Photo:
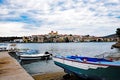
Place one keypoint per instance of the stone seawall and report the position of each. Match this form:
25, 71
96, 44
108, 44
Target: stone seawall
10, 69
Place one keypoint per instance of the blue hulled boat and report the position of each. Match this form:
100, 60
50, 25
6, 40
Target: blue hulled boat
101, 68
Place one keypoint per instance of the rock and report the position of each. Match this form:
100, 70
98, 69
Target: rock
116, 45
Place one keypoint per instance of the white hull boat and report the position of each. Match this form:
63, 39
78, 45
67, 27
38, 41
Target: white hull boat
33, 54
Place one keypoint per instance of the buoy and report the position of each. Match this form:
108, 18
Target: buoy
111, 59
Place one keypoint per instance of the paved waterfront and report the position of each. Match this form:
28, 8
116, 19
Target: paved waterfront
10, 69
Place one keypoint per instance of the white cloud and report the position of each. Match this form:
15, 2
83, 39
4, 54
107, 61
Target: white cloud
114, 1
66, 16
14, 29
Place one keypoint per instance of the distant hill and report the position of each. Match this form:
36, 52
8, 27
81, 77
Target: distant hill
110, 36
8, 39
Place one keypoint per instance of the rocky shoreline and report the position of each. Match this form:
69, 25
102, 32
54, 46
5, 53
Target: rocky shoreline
116, 45
57, 76
49, 76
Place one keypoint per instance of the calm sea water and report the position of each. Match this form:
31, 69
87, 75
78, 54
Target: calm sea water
84, 49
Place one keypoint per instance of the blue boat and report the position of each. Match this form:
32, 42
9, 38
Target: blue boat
101, 68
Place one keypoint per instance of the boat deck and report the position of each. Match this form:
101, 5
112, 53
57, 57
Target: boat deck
89, 60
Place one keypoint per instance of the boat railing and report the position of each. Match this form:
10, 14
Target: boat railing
103, 55
84, 59
109, 55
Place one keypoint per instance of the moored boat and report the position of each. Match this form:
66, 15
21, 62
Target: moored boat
3, 47
33, 54
102, 69
13, 48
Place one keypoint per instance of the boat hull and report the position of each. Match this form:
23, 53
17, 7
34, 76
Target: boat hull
103, 72
34, 58
33, 55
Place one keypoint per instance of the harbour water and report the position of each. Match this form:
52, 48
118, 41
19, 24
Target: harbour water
84, 49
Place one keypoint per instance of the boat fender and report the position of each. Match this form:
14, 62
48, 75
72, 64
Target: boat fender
111, 59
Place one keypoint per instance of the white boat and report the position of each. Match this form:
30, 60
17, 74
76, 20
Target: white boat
33, 54
12, 48
3, 47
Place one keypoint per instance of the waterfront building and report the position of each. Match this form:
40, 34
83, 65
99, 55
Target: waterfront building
26, 39
55, 37
52, 33
37, 38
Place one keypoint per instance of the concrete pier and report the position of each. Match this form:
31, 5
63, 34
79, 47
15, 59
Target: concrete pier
10, 69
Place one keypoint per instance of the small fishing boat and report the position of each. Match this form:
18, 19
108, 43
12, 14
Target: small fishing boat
33, 54
3, 47
102, 69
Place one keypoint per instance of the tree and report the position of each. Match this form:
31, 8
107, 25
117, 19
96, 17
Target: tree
118, 32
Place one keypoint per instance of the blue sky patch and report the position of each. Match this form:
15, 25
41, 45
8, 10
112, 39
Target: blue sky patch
118, 17
111, 4
24, 17
110, 14
85, 1
61, 3
1, 1
91, 9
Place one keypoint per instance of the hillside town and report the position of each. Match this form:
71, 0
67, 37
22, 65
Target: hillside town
55, 37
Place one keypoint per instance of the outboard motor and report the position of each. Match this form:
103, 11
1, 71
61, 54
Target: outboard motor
47, 52
48, 55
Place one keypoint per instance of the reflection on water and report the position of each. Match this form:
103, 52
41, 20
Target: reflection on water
85, 49
40, 66
23, 62
117, 50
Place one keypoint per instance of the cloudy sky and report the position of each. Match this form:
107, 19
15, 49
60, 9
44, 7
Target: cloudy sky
81, 17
